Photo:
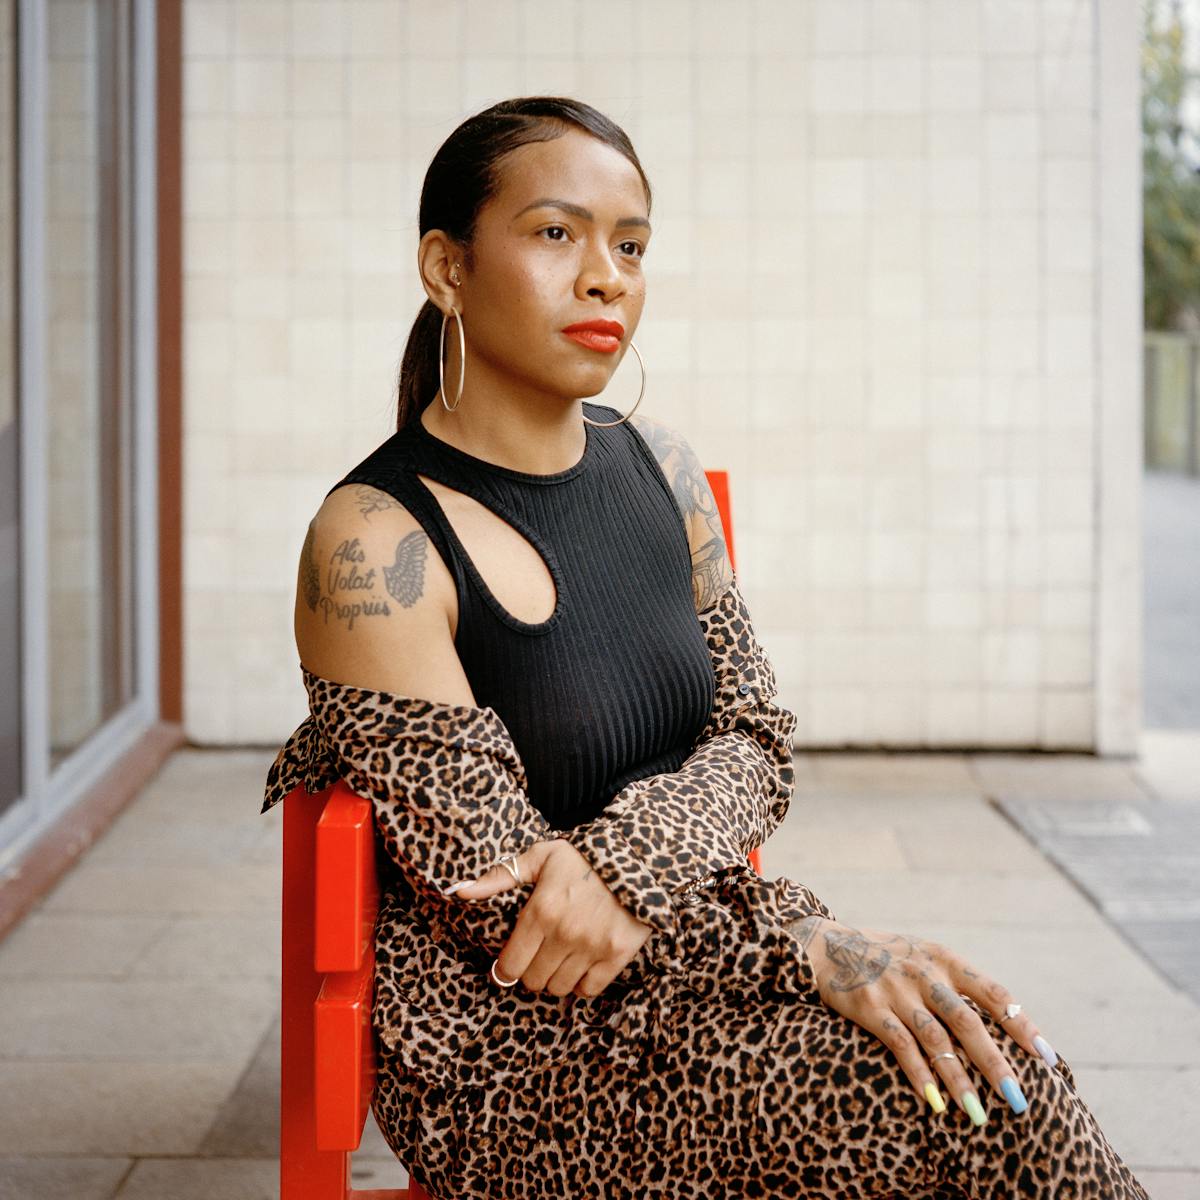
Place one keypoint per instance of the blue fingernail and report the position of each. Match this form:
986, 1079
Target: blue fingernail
1046, 1050
1013, 1094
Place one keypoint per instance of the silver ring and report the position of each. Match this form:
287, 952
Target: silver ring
501, 982
1010, 1011
948, 1054
510, 864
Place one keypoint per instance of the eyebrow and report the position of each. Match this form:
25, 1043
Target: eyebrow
578, 210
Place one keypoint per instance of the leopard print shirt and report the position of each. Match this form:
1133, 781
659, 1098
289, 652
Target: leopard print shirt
448, 790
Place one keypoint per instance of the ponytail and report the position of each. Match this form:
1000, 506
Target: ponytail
419, 366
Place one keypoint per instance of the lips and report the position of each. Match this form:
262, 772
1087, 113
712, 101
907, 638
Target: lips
604, 336
611, 328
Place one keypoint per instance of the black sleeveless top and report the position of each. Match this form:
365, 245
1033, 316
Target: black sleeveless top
618, 682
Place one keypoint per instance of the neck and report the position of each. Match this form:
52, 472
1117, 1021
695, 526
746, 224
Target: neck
537, 437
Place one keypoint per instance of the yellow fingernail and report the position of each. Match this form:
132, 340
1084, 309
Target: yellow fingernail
935, 1098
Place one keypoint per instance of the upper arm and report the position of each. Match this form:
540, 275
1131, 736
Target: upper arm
374, 600
712, 572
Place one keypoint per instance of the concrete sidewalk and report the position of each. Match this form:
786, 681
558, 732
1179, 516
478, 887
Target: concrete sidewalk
139, 1001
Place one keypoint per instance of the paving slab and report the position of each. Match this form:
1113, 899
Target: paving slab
886, 773
1139, 862
1170, 1185
202, 1179
1159, 1133
206, 947
78, 945
1058, 776
62, 1178
906, 901
135, 1020
247, 1123
159, 888
122, 1109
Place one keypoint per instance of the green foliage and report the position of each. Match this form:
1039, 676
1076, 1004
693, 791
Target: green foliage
1170, 180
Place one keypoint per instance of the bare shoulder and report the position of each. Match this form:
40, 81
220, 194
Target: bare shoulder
375, 604
712, 571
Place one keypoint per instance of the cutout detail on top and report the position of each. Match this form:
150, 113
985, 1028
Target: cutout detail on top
521, 582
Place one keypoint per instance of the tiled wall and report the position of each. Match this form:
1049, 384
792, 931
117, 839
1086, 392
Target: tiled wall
873, 296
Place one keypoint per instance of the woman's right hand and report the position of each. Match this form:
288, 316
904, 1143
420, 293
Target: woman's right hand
573, 934
910, 993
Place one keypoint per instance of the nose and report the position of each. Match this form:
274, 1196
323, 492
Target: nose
599, 274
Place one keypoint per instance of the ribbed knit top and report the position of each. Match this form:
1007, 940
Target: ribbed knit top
618, 682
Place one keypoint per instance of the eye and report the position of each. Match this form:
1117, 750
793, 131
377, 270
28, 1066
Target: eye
640, 249
551, 228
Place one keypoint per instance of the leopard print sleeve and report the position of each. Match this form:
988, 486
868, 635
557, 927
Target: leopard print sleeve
447, 787
667, 834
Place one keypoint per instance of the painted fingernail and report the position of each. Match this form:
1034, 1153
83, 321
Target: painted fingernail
935, 1098
462, 883
1046, 1050
1013, 1094
974, 1109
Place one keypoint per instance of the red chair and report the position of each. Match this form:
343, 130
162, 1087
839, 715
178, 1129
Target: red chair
327, 1052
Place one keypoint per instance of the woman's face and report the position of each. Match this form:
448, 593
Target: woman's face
539, 268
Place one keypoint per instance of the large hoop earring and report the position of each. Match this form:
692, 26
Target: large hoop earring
641, 393
462, 360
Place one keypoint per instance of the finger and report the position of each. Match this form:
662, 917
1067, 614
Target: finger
994, 998
546, 963
895, 1035
968, 1027
594, 980
941, 1054
499, 878
569, 974
519, 951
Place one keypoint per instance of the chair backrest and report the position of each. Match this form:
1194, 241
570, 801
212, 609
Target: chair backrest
327, 1051
718, 481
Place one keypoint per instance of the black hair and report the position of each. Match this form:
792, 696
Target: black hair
463, 176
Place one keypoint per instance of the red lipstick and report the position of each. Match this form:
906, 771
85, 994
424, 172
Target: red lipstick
597, 334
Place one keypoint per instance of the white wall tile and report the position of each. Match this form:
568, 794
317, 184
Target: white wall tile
872, 296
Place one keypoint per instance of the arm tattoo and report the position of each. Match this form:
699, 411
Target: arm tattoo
858, 960
701, 519
371, 499
405, 578
346, 582
310, 576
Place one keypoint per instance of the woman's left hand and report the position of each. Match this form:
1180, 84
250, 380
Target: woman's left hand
910, 992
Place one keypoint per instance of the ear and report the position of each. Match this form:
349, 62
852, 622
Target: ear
440, 262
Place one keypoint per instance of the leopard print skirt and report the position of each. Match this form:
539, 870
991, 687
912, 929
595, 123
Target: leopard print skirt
743, 1085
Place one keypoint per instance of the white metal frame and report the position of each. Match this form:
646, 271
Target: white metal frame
46, 794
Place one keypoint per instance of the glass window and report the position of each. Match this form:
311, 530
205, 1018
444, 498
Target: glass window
11, 775
89, 488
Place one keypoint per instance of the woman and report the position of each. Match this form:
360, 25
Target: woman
568, 730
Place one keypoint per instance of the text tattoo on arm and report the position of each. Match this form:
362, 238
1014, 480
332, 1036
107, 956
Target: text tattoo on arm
350, 586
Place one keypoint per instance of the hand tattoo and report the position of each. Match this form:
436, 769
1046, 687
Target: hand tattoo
858, 960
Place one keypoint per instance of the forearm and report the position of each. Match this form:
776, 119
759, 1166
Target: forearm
447, 788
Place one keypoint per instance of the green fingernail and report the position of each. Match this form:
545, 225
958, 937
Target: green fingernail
970, 1102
